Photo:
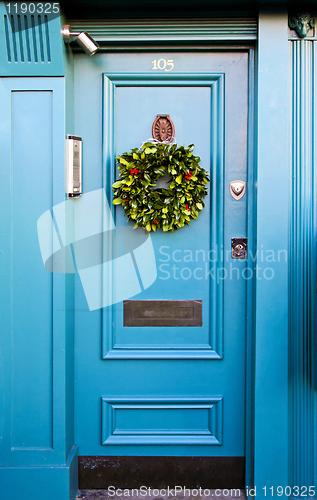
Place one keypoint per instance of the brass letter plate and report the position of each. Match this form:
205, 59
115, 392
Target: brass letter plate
162, 313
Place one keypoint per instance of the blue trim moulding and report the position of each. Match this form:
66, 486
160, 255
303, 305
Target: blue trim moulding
155, 418
273, 202
152, 30
303, 129
213, 350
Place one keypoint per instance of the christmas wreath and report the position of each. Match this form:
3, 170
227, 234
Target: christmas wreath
153, 207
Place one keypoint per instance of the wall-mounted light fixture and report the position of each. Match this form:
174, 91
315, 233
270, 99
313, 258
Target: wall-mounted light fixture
83, 39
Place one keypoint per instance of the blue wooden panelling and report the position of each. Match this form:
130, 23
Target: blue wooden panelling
152, 30
303, 57
206, 94
96, 377
273, 202
31, 284
39, 483
160, 421
36, 388
37, 48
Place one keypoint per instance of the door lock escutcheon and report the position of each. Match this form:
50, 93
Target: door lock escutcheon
237, 189
239, 248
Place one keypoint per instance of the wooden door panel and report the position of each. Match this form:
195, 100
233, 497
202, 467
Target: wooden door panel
168, 390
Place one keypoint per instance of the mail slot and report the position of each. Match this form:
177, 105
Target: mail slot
162, 313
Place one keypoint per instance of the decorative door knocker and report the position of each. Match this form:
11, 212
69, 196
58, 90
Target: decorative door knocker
163, 129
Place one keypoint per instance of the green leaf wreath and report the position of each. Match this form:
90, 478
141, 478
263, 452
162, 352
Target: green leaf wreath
150, 207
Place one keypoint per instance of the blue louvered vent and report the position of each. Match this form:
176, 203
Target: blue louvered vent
27, 38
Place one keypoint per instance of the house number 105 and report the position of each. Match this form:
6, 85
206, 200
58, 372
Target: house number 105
163, 64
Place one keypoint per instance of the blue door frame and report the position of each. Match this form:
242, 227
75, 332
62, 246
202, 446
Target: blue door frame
272, 233
280, 451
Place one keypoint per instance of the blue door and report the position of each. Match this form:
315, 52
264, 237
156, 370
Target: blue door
167, 390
